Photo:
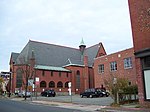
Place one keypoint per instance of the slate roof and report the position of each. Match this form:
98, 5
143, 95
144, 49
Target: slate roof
91, 52
55, 55
14, 56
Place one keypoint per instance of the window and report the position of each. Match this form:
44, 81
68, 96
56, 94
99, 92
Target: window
43, 73
19, 78
59, 84
59, 74
51, 84
101, 68
127, 63
67, 74
78, 80
66, 85
146, 62
113, 66
129, 83
43, 84
51, 73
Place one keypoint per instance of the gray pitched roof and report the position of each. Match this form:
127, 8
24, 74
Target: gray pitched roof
14, 56
54, 55
91, 52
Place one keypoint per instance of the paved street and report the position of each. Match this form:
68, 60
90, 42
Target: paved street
63, 104
101, 101
7, 105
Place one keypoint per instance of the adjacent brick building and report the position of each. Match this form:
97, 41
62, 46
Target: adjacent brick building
119, 64
140, 22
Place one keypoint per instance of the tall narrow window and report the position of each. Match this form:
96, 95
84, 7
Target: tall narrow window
101, 68
19, 78
51, 73
67, 74
78, 80
59, 74
113, 66
127, 63
43, 73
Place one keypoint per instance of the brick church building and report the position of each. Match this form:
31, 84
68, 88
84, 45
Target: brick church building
52, 66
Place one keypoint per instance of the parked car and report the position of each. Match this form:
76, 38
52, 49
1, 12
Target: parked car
48, 93
94, 92
103, 91
22, 94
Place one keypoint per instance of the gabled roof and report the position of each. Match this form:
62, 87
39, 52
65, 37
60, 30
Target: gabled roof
14, 56
55, 55
91, 52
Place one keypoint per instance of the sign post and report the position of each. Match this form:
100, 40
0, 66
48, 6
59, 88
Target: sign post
37, 80
69, 85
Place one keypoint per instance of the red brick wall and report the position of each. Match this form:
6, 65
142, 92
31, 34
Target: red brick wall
140, 84
101, 50
140, 20
56, 78
121, 72
84, 78
13, 86
84, 84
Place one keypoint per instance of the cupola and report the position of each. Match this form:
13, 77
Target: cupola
82, 46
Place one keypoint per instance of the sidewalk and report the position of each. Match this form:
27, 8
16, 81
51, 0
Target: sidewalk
90, 108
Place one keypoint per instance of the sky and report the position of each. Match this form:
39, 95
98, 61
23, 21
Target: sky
63, 22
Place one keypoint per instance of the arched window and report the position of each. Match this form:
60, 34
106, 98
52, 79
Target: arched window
66, 85
51, 84
43, 84
78, 80
59, 84
19, 78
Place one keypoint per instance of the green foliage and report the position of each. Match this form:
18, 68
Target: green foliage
133, 89
119, 86
1, 81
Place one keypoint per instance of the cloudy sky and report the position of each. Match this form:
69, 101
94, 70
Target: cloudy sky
63, 22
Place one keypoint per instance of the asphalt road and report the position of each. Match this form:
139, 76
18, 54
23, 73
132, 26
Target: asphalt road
101, 101
7, 105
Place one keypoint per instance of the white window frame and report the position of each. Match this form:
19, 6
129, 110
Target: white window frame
128, 63
101, 68
113, 66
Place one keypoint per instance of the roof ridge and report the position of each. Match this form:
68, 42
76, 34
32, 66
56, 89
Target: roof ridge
53, 44
120, 51
93, 45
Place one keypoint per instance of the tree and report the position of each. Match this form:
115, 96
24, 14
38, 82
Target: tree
27, 69
1, 84
116, 85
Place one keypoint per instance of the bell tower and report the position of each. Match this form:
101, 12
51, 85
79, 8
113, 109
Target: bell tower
82, 47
